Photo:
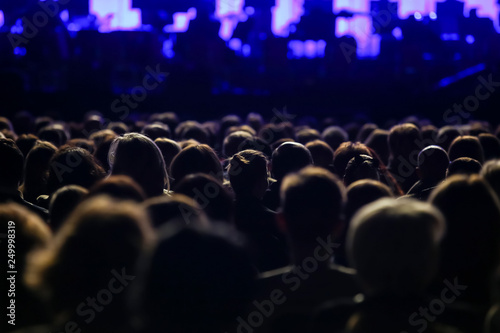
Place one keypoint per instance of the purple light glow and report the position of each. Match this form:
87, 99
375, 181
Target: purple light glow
181, 21
229, 13
2, 19
285, 13
115, 15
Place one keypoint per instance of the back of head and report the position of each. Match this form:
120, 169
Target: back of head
472, 213
307, 135
491, 146
233, 142
463, 166
334, 136
466, 146
491, 173
54, 133
138, 157
120, 188
31, 233
289, 157
101, 240
196, 159
345, 152
446, 135
213, 283
365, 131
169, 149
433, 162
73, 166
209, 193
156, 130
25, 142
361, 167
378, 141
176, 208
11, 169
321, 153
312, 201
247, 172
63, 202
403, 140
191, 130
393, 245
363, 192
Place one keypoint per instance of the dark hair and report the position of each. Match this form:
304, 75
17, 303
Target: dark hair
334, 136
25, 142
233, 142
433, 162
361, 167
491, 146
321, 153
119, 187
195, 159
289, 157
466, 146
246, 169
463, 166
11, 169
138, 157
36, 170
208, 192
63, 202
176, 208
156, 130
312, 201
345, 152
169, 149
72, 165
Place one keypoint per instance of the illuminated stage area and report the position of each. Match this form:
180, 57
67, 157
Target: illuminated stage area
374, 57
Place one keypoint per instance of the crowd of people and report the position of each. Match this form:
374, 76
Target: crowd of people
242, 225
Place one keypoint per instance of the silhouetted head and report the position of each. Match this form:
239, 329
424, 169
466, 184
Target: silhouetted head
361, 167
289, 157
178, 208
307, 135
233, 142
393, 245
311, 202
156, 130
491, 173
169, 149
321, 153
63, 202
490, 145
446, 135
119, 187
404, 140
196, 159
138, 157
334, 136
11, 172
466, 146
463, 166
248, 174
345, 152
208, 192
378, 141
25, 142
432, 163
363, 192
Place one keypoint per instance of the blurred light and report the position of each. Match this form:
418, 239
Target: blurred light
64, 15
284, 14
235, 44
74, 27
457, 56
246, 50
181, 21
310, 49
17, 28
297, 48
2, 19
433, 15
20, 51
417, 16
320, 47
397, 33
229, 13
449, 36
427, 56
249, 11
115, 15
470, 39
168, 51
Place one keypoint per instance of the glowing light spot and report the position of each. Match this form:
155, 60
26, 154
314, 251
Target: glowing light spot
2, 19
181, 21
64, 15
417, 16
250, 11
229, 13
433, 16
449, 36
168, 51
246, 50
284, 14
235, 44
470, 39
397, 33
20, 51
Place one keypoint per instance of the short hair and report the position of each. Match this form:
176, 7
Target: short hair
156, 130
363, 192
365, 131
289, 157
307, 135
466, 146
191, 130
463, 166
491, 173
345, 152
311, 201
36, 167
54, 133
361, 167
491, 146
138, 157
393, 245
446, 135
378, 141
245, 169
25, 142
11, 169
101, 235
63, 202
233, 142
334, 136
321, 152
196, 159
403, 140
433, 162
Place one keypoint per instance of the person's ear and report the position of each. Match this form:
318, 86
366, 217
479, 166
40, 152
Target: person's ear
281, 221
